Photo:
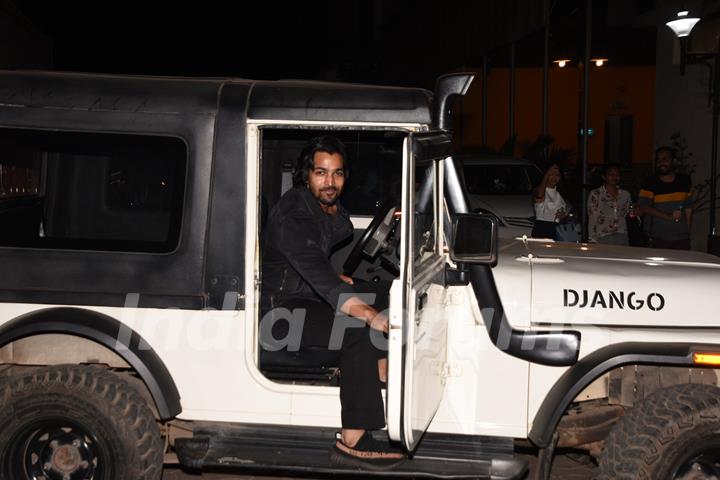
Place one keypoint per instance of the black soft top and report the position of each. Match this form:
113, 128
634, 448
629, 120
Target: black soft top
283, 100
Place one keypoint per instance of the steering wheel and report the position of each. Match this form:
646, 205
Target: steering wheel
373, 239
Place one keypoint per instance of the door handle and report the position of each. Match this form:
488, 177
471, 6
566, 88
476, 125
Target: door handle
422, 301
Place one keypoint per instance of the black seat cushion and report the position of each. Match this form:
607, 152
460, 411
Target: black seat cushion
306, 358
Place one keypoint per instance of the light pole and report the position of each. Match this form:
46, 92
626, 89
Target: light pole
586, 118
584, 65
583, 110
681, 25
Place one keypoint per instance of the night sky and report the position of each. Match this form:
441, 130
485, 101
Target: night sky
395, 42
205, 37
316, 39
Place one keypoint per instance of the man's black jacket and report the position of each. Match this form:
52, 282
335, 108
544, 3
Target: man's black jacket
297, 242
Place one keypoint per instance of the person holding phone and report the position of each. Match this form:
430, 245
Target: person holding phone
550, 206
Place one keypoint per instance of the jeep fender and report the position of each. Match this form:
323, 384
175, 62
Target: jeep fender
106, 331
597, 363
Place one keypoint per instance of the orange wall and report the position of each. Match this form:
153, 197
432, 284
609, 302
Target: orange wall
613, 91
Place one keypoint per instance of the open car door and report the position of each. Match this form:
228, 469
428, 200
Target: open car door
417, 336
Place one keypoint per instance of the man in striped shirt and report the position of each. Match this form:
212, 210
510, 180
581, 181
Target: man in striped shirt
666, 200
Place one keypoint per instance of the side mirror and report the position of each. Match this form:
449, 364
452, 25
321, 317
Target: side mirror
474, 239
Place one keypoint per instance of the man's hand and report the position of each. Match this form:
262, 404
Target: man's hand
356, 308
346, 279
379, 323
676, 215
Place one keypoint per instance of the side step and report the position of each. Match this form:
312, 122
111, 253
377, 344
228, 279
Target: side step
307, 450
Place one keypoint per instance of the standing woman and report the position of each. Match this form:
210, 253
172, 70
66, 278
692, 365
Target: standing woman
608, 206
550, 206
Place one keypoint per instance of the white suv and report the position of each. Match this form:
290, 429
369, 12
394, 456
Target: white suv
502, 186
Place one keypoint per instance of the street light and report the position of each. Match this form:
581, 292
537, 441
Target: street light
681, 25
563, 62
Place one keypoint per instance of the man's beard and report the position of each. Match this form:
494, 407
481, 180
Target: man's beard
329, 202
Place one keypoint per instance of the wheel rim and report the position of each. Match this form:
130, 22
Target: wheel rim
705, 462
56, 449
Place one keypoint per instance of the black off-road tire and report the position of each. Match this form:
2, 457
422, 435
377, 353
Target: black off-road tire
673, 434
63, 414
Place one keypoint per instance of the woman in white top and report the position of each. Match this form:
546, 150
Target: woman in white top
550, 207
607, 208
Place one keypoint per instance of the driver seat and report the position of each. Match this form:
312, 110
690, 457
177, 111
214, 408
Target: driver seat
315, 363
307, 364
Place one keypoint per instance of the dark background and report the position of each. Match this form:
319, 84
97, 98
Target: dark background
396, 42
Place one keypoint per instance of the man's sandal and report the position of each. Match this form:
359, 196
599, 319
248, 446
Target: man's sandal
368, 448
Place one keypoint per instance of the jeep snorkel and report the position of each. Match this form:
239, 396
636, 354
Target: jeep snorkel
546, 347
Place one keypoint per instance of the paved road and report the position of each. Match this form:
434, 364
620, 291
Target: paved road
565, 467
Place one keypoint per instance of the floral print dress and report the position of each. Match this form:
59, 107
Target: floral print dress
606, 214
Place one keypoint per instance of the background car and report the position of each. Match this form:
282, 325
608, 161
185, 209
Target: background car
502, 186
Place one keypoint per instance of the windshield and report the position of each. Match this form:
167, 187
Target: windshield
501, 179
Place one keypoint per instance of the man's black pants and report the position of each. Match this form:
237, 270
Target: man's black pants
361, 347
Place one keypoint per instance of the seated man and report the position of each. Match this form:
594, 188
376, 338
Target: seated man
298, 277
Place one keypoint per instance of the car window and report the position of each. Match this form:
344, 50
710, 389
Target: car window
375, 176
90, 190
535, 175
500, 179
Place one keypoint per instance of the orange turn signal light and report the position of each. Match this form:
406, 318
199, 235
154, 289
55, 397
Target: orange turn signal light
706, 358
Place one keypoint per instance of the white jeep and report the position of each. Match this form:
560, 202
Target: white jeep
131, 216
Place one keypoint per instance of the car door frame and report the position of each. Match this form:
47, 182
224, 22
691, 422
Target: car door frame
408, 297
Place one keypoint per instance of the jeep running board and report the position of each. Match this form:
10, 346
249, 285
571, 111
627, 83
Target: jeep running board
306, 450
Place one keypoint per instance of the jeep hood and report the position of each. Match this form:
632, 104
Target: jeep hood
595, 251
609, 285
